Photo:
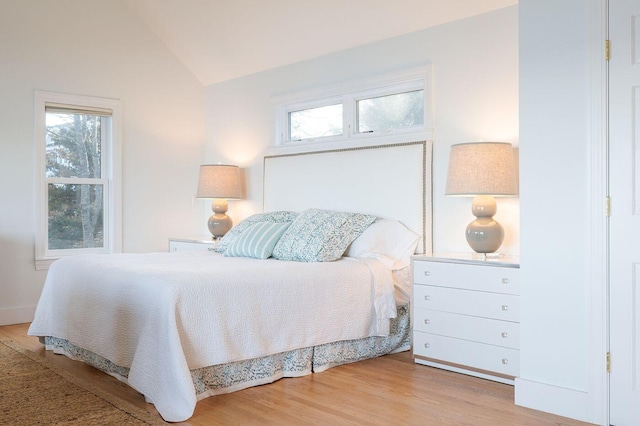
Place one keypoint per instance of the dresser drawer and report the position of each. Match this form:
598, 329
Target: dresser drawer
467, 276
482, 330
457, 352
474, 303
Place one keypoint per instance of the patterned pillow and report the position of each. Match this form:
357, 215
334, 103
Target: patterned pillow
320, 235
257, 241
236, 231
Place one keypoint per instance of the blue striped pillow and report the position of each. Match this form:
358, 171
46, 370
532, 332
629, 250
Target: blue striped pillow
257, 241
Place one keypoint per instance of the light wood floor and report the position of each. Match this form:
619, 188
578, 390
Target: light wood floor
391, 390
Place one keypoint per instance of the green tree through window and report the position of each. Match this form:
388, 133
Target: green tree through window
74, 172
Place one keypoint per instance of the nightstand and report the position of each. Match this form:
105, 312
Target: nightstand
192, 244
466, 315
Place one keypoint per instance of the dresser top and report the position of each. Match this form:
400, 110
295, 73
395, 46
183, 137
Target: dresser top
472, 259
202, 239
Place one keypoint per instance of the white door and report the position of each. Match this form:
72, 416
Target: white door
624, 172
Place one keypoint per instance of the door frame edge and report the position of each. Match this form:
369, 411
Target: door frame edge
598, 269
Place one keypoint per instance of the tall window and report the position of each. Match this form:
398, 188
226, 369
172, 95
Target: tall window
389, 105
78, 140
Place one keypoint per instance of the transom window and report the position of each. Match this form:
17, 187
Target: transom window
396, 111
398, 104
316, 123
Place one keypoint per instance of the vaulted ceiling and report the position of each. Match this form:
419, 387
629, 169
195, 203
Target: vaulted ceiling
222, 39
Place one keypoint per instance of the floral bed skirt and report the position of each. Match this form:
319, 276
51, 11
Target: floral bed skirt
225, 378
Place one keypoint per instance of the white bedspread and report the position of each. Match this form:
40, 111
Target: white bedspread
163, 314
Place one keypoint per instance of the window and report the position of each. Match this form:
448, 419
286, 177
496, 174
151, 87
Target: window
315, 123
390, 105
396, 111
79, 175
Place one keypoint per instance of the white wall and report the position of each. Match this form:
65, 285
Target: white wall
475, 97
555, 140
475, 65
521, 75
97, 48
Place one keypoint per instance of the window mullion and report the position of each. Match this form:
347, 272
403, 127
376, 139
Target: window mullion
45, 221
106, 216
105, 155
349, 110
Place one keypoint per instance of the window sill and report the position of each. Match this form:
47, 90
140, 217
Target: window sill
380, 138
44, 264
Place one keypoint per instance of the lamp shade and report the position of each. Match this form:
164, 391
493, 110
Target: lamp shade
481, 168
219, 181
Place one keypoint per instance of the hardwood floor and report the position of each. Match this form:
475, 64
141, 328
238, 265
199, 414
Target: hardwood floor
391, 390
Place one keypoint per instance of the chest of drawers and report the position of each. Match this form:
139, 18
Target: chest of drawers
466, 316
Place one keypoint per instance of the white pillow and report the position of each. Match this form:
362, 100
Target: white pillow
389, 241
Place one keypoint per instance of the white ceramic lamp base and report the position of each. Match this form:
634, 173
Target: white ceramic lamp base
484, 235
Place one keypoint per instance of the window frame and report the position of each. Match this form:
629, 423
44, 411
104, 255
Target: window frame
110, 175
349, 94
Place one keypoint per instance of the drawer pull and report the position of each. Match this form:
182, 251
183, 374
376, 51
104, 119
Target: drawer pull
504, 334
427, 321
505, 308
427, 346
505, 281
427, 297
505, 361
427, 273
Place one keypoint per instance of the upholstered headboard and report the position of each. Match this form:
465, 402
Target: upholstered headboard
389, 181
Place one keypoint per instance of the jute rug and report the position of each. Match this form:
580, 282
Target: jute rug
33, 391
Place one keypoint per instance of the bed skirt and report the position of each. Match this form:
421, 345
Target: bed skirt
234, 376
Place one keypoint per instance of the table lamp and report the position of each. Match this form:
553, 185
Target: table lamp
220, 182
482, 170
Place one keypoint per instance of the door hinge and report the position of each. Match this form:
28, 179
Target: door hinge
608, 362
608, 206
606, 50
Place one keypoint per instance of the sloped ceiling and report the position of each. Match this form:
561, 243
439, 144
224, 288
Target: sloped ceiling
222, 39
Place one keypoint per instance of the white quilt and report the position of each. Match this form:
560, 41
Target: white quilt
163, 314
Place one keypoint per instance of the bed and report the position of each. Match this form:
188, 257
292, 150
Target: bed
179, 327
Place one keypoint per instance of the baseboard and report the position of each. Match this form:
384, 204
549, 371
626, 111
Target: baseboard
552, 399
17, 315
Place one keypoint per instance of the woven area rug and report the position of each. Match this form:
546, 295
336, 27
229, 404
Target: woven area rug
33, 391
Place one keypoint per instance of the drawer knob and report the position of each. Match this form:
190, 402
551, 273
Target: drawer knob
427, 346
505, 308
505, 281
427, 273
427, 321
505, 361
427, 297
504, 334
